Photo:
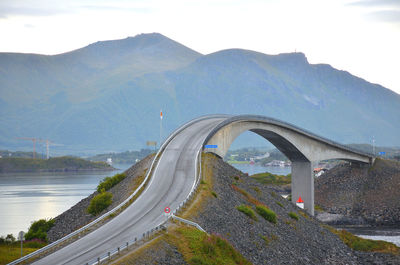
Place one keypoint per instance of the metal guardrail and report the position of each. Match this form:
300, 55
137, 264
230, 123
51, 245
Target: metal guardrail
82, 229
110, 254
188, 222
61, 240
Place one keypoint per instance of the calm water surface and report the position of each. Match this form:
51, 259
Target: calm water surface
25, 197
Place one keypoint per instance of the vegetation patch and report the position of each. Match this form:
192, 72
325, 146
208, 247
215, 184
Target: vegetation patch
269, 178
199, 248
280, 204
10, 251
214, 194
266, 213
248, 197
247, 211
268, 240
109, 182
39, 229
65, 163
367, 245
294, 216
100, 202
318, 208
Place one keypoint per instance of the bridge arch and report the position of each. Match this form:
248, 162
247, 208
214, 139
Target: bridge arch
301, 147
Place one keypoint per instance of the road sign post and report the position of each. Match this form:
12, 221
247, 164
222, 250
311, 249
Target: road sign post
21, 237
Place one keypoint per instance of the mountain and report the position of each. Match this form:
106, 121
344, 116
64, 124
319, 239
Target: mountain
107, 96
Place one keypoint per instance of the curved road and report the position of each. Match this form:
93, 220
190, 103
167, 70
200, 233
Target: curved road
170, 184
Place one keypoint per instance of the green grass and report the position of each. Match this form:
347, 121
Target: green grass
266, 213
18, 164
280, 204
109, 182
318, 208
199, 248
214, 194
247, 211
269, 178
100, 202
366, 245
12, 251
294, 216
268, 240
237, 162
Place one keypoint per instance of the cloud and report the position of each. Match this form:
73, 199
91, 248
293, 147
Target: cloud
377, 3
118, 8
28, 8
391, 16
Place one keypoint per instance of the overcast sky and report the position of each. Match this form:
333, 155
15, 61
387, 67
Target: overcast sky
360, 36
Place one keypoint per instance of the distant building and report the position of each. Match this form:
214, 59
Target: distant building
109, 161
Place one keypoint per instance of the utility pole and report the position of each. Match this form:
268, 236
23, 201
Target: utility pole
373, 145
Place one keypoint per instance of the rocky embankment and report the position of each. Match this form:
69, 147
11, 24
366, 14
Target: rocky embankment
289, 241
360, 195
77, 216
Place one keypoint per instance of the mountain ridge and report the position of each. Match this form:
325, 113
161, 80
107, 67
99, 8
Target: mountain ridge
115, 99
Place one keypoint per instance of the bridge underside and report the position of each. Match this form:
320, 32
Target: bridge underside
301, 148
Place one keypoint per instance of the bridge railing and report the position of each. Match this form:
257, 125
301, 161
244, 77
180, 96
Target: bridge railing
84, 228
198, 175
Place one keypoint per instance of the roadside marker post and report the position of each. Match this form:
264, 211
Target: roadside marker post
300, 203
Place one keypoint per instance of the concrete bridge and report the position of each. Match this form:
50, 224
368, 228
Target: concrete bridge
302, 148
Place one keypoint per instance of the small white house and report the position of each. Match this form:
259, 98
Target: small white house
109, 161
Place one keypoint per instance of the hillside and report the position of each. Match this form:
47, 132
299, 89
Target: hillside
106, 97
254, 240
56, 164
361, 195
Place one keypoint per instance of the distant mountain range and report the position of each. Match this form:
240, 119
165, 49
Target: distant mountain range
107, 96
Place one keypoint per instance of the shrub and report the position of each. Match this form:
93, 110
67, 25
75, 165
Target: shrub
34, 243
279, 203
39, 229
293, 216
214, 194
247, 211
109, 182
266, 213
10, 238
100, 202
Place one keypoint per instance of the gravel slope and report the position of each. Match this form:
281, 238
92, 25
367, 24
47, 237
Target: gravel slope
362, 195
77, 215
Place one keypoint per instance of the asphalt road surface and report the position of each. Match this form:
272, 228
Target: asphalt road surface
170, 184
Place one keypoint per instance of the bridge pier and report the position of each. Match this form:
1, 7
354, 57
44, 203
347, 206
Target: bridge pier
303, 184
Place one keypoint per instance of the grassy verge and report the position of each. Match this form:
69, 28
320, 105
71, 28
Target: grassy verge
199, 248
205, 190
12, 251
237, 162
366, 245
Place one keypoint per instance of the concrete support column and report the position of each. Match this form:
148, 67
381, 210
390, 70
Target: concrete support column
303, 184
